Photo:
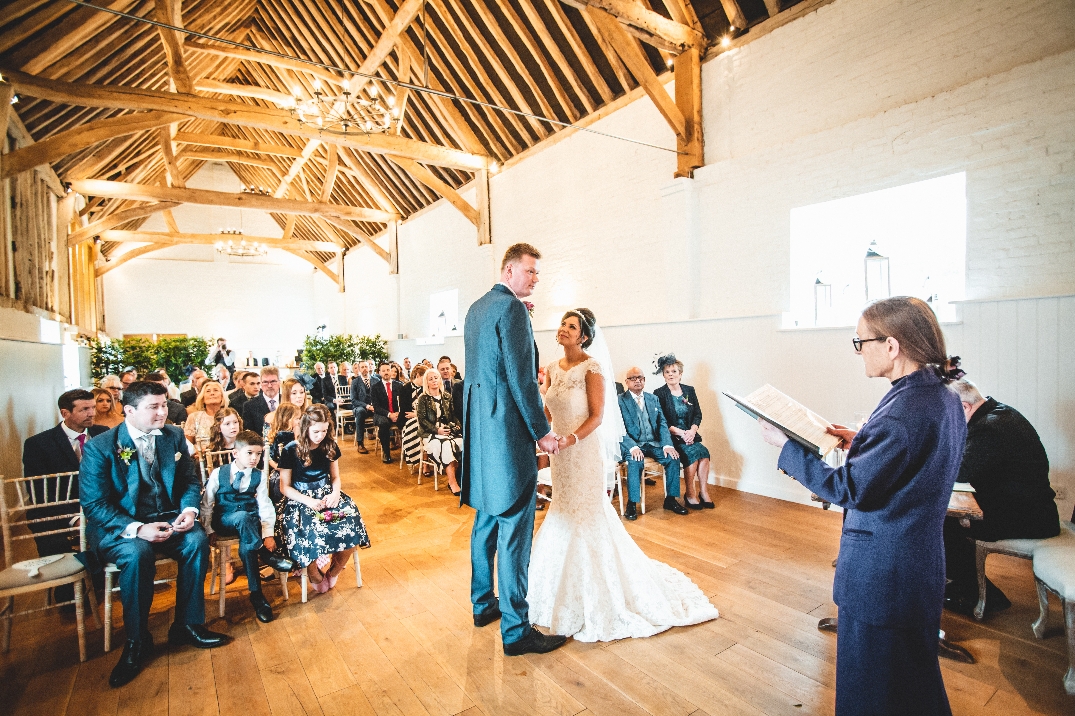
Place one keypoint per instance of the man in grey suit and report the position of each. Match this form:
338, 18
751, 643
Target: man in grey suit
503, 418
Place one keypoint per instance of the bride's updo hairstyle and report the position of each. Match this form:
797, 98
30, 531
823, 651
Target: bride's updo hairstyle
587, 324
915, 327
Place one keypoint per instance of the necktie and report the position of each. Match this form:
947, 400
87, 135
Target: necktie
388, 389
146, 445
272, 404
81, 438
237, 481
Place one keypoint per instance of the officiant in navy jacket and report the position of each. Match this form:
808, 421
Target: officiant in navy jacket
503, 422
141, 496
894, 488
647, 436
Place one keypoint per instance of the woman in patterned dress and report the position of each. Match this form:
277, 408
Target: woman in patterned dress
412, 441
441, 433
318, 517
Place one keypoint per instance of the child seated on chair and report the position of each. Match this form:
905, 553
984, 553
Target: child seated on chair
236, 504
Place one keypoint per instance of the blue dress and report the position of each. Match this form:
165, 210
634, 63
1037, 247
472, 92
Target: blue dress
688, 454
306, 535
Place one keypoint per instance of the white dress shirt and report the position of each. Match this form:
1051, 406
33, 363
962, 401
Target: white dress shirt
266, 511
72, 436
136, 435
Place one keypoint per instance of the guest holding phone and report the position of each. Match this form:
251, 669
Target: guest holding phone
894, 488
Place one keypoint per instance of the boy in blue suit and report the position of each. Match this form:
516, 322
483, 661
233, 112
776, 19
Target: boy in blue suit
140, 494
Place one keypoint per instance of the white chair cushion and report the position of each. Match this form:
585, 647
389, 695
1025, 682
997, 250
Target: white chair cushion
1029, 547
14, 578
1056, 567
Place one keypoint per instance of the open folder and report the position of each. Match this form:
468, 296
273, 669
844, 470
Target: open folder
792, 418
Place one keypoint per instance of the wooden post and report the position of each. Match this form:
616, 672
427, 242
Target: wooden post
485, 229
688, 69
393, 248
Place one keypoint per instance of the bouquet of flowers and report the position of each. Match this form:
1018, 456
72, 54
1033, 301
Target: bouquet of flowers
331, 516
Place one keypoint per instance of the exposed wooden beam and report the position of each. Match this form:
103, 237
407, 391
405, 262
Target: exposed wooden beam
688, 67
424, 175
169, 219
289, 227
171, 13
23, 138
403, 17
180, 238
357, 233
205, 197
37, 53
237, 90
127, 256
735, 14
393, 247
372, 188
171, 169
296, 167
639, 65
211, 155
239, 113
485, 225
647, 25
7, 91
115, 219
682, 11
318, 264
221, 142
60, 145
772, 7
403, 94
330, 173
254, 56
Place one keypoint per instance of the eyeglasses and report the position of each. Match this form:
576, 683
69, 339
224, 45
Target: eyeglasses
857, 342
636, 377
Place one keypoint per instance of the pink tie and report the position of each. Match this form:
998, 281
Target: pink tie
81, 444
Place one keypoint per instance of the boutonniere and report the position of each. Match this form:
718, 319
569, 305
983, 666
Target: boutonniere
529, 308
125, 454
684, 399
178, 455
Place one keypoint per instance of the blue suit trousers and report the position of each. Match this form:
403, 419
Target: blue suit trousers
247, 527
635, 467
506, 538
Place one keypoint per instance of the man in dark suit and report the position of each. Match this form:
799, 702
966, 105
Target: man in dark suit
197, 380
387, 398
324, 389
177, 413
647, 436
363, 407
141, 496
59, 449
255, 409
250, 389
1006, 464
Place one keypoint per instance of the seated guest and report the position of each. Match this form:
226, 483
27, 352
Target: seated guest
59, 449
317, 517
360, 403
292, 393
140, 494
282, 431
222, 375
249, 389
444, 367
255, 409
226, 426
177, 414
442, 434
387, 398
1006, 464
236, 504
345, 373
338, 382
173, 391
112, 383
410, 440
324, 387
197, 380
408, 369
203, 414
647, 436
456, 377
105, 406
679, 403
127, 376
237, 379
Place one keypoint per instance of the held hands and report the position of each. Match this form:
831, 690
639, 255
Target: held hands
185, 522
637, 455
315, 505
393, 416
550, 443
670, 452
444, 431
155, 531
771, 434
332, 500
843, 432
689, 435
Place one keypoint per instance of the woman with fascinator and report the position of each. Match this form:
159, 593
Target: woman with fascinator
588, 578
679, 403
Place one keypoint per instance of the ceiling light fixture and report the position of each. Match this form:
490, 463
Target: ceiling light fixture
346, 112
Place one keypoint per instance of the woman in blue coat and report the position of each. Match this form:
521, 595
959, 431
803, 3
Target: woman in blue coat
894, 488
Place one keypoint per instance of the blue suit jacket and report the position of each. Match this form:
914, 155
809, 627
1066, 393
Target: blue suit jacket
109, 486
631, 417
895, 488
502, 411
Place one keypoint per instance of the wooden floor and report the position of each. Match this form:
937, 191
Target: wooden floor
404, 642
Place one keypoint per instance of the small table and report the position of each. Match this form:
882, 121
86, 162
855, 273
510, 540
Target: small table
965, 507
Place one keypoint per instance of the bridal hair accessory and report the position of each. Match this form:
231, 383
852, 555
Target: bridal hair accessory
950, 371
660, 362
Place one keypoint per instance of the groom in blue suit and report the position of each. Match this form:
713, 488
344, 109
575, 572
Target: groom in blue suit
503, 418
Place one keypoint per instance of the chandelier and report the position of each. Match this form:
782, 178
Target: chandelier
230, 248
345, 112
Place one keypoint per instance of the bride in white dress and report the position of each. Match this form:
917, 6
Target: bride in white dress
588, 578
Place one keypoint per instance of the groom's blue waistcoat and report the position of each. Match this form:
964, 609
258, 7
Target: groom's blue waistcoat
503, 416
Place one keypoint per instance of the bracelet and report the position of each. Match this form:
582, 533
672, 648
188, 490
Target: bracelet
573, 435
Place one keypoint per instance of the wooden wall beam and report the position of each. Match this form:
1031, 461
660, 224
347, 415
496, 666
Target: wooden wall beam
254, 56
318, 264
330, 173
688, 68
171, 13
222, 142
230, 88
424, 175
181, 238
485, 225
647, 25
115, 219
211, 155
127, 256
387, 41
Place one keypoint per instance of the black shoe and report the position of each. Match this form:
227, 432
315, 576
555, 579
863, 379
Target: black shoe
961, 605
387, 459
487, 617
631, 513
670, 503
707, 505
692, 505
135, 655
650, 481
534, 643
195, 635
262, 608
280, 564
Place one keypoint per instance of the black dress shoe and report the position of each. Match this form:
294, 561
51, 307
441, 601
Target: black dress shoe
631, 512
534, 643
280, 564
707, 505
650, 481
387, 460
670, 503
262, 608
487, 617
692, 505
135, 655
196, 635
362, 450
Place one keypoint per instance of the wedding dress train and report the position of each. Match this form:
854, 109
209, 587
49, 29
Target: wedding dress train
588, 578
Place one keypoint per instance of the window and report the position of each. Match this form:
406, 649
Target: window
909, 240
444, 313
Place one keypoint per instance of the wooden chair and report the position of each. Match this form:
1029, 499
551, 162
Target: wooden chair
422, 462
305, 580
652, 469
111, 570
344, 416
1022, 548
55, 490
1054, 572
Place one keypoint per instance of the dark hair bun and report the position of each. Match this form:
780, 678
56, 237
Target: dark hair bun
587, 322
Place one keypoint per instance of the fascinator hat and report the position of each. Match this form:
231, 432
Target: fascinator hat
661, 362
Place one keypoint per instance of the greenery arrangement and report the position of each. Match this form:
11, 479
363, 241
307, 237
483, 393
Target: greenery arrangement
342, 347
177, 356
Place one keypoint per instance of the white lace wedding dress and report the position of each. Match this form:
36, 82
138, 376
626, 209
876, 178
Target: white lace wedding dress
588, 578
